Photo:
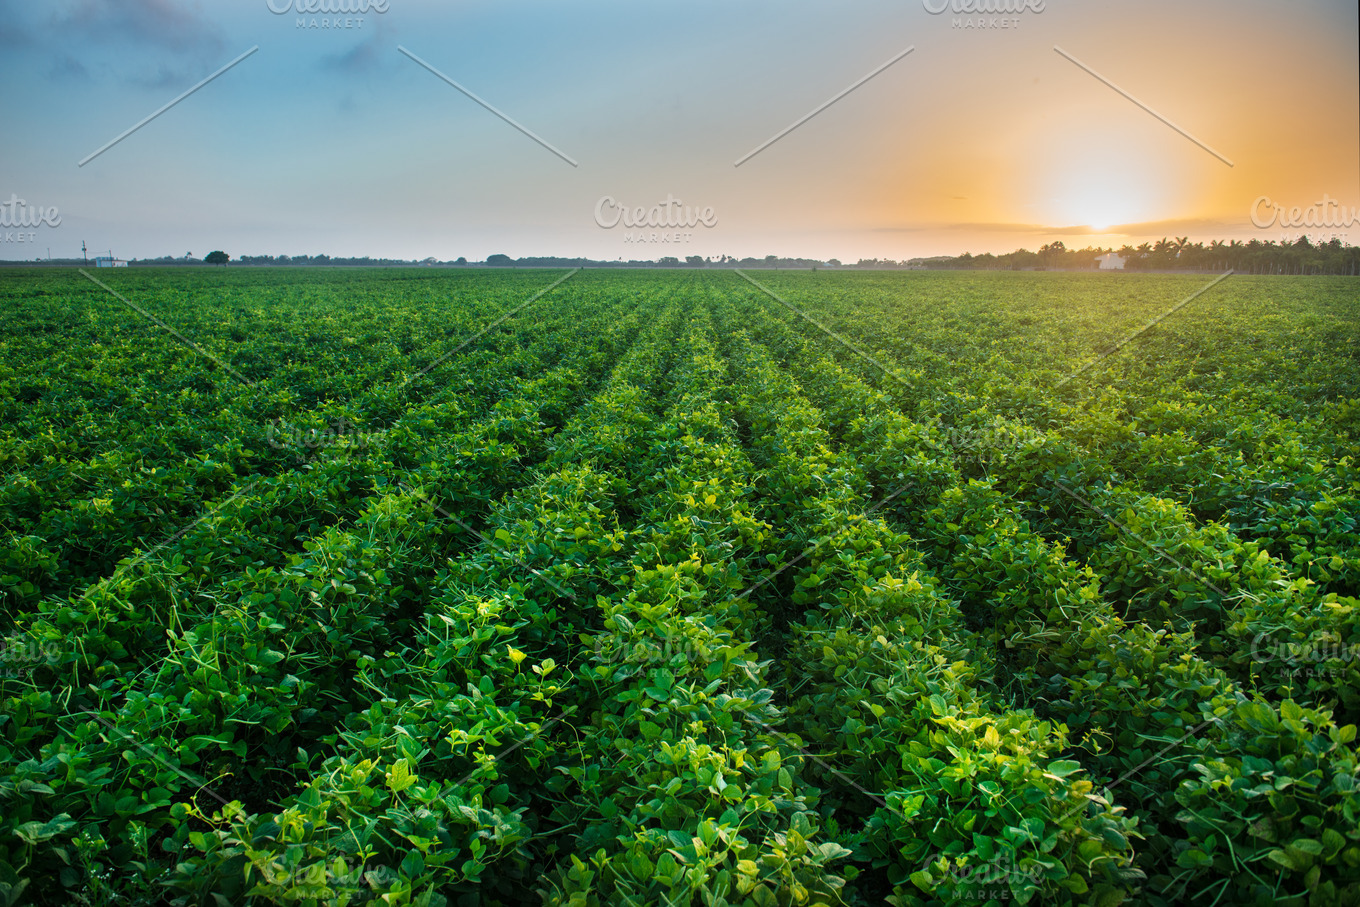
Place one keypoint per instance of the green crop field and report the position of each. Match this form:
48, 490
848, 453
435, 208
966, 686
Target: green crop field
477, 587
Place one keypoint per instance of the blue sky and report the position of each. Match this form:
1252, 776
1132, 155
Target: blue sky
331, 140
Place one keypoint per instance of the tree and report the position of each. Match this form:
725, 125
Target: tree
1051, 254
499, 261
217, 257
694, 261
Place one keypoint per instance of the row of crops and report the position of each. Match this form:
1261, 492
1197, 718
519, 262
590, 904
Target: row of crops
678, 588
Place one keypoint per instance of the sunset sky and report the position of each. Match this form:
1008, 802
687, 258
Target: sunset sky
980, 139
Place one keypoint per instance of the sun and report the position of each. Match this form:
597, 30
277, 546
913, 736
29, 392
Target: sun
1099, 181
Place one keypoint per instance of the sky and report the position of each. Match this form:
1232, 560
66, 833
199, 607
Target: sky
949, 130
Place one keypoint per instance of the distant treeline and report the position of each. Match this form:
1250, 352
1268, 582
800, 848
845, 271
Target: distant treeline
1301, 256
554, 261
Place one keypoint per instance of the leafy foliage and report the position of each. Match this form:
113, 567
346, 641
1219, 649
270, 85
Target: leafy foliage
650, 592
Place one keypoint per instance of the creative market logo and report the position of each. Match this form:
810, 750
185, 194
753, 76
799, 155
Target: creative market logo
997, 879
19, 213
342, 14
1325, 214
1326, 655
20, 655
988, 443
984, 14
676, 219
340, 433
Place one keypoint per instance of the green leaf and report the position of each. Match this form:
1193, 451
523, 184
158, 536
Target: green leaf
35, 832
1115, 839
413, 864
1063, 767
1259, 716
400, 777
1286, 859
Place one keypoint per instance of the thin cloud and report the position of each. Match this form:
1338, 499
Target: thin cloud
178, 27
12, 37
991, 228
160, 44
363, 57
67, 68
164, 77
1180, 227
